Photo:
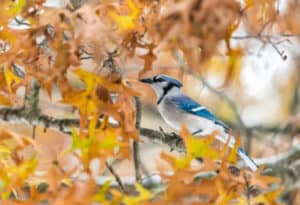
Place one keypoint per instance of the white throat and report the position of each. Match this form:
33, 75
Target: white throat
162, 91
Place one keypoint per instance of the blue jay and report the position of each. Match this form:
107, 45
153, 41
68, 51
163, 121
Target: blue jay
177, 109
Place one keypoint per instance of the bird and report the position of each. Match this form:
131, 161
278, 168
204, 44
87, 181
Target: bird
177, 109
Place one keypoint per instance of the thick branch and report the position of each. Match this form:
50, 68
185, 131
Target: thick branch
30, 112
64, 125
18, 115
158, 137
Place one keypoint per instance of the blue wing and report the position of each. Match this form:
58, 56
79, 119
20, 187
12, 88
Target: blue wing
189, 105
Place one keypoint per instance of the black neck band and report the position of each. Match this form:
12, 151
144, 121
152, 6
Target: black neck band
165, 91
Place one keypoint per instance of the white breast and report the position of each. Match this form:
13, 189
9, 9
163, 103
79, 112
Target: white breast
176, 118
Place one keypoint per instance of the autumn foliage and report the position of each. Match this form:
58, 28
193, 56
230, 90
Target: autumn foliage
87, 57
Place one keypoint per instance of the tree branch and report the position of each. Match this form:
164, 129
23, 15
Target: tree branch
135, 145
116, 176
16, 115
293, 153
158, 137
30, 114
269, 39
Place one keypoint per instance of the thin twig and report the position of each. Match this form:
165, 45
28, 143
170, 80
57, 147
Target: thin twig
86, 58
246, 37
33, 131
117, 178
247, 184
21, 22
136, 159
135, 146
267, 39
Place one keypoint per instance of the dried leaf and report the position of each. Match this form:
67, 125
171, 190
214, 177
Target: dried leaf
10, 79
126, 22
143, 195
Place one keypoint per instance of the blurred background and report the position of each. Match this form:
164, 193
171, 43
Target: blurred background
252, 83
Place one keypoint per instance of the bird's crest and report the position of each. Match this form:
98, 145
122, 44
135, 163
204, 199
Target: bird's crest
166, 78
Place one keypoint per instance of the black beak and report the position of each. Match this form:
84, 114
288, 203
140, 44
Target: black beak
147, 80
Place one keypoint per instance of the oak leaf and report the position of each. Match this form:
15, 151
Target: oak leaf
126, 22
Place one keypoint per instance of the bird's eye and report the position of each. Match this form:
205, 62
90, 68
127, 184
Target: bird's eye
158, 79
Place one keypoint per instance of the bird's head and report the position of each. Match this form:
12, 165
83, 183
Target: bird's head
162, 84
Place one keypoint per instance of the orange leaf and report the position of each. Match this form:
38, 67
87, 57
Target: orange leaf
10, 79
126, 22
